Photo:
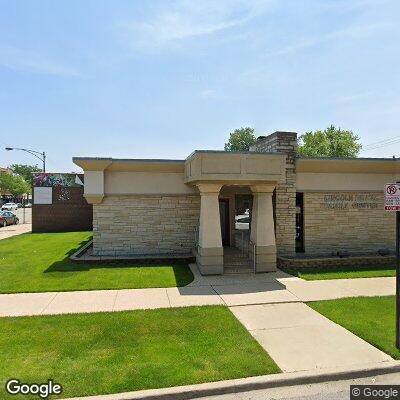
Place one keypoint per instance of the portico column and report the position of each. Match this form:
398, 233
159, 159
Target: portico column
209, 255
262, 228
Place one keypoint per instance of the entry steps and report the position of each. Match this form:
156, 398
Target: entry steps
236, 263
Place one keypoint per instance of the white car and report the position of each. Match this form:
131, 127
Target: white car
9, 207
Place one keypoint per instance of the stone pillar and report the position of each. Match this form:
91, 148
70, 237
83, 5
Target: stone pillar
283, 142
262, 229
209, 252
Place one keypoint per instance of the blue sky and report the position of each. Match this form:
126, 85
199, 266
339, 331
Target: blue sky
158, 79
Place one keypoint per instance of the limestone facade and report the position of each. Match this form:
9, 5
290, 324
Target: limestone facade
145, 225
353, 222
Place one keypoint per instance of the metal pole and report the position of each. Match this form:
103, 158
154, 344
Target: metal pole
398, 279
44, 162
23, 206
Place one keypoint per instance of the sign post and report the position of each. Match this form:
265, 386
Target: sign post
392, 203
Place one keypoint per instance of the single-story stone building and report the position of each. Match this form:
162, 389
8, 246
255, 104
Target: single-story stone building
247, 206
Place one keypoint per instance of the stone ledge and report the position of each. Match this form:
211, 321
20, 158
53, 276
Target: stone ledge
83, 255
332, 262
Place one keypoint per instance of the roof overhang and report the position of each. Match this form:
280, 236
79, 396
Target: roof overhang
134, 165
348, 165
234, 167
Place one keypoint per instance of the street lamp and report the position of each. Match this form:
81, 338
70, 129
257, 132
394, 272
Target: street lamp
37, 154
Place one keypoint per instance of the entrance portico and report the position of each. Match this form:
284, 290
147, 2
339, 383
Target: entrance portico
260, 172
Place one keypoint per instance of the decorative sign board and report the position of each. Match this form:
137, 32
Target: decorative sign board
392, 197
43, 195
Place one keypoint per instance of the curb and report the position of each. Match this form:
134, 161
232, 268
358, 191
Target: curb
252, 383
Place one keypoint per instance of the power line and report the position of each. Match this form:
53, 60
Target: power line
382, 143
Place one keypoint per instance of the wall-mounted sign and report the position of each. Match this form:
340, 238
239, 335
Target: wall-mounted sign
346, 201
43, 195
392, 197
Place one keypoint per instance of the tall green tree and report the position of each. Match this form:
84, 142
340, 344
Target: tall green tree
331, 142
14, 184
240, 139
25, 171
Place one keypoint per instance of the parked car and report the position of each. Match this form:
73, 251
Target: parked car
28, 205
8, 218
9, 207
20, 205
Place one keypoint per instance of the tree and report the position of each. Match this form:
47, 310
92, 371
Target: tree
332, 142
14, 184
25, 171
240, 139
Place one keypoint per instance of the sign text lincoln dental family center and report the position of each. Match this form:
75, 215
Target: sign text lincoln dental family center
346, 201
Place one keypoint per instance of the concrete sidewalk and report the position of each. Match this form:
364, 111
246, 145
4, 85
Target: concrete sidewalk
300, 339
270, 306
14, 230
233, 290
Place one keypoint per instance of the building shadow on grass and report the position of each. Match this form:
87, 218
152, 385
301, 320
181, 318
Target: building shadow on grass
180, 268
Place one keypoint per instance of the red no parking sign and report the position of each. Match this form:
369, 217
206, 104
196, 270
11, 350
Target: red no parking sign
392, 197
392, 203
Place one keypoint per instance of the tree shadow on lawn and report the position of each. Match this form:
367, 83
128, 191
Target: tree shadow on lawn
180, 268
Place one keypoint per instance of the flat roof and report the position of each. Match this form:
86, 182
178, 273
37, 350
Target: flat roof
303, 164
125, 159
348, 165
347, 158
232, 152
125, 164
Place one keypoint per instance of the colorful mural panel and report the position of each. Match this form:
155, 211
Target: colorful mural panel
58, 180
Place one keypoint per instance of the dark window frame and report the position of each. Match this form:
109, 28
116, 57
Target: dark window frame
299, 241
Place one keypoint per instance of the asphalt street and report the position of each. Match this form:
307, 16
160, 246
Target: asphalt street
338, 390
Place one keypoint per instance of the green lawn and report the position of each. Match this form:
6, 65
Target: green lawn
40, 262
371, 318
103, 353
342, 272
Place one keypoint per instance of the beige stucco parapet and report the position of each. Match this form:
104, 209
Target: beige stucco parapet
234, 167
94, 177
358, 174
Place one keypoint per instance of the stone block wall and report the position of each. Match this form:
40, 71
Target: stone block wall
308, 264
347, 221
285, 199
158, 225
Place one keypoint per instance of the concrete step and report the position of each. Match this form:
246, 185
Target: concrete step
232, 270
237, 263
236, 259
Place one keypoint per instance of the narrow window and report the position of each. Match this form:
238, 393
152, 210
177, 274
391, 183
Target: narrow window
299, 223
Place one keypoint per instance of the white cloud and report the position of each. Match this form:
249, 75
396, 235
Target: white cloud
351, 32
23, 60
208, 93
355, 97
187, 19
